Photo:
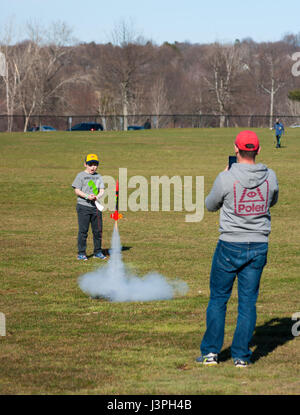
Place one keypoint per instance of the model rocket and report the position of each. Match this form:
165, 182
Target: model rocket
116, 215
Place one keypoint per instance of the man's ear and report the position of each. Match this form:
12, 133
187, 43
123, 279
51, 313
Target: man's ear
258, 150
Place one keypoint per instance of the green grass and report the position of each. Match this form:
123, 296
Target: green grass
59, 341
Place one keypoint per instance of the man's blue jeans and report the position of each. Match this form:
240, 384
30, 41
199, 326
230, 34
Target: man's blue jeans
246, 261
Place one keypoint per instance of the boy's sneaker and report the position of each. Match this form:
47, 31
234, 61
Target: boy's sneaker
82, 257
240, 363
99, 255
208, 359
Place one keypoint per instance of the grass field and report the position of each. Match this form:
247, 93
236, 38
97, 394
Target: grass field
59, 341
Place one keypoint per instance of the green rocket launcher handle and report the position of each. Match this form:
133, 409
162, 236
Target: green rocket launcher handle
93, 186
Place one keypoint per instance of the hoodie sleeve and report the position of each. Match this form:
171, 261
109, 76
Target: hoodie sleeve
214, 200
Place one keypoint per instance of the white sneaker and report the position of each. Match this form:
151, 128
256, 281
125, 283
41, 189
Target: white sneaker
208, 359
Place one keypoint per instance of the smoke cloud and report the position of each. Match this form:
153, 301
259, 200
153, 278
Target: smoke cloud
116, 283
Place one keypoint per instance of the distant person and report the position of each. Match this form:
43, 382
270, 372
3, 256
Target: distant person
244, 193
88, 185
279, 131
147, 125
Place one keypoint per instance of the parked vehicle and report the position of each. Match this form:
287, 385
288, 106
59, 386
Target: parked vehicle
135, 127
145, 126
87, 126
42, 128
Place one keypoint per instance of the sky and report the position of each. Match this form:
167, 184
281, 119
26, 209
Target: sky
194, 21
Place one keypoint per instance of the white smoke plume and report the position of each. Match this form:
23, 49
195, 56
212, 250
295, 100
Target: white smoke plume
116, 283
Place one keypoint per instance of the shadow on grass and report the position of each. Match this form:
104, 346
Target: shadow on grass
267, 337
106, 251
124, 248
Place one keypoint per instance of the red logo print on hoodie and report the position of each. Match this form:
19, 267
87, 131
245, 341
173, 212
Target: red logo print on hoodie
250, 202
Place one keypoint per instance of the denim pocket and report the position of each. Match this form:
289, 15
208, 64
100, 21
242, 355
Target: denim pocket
260, 256
259, 261
228, 256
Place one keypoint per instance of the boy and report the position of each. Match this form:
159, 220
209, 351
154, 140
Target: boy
89, 185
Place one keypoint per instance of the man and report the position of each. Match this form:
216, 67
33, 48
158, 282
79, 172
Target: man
244, 193
147, 124
279, 131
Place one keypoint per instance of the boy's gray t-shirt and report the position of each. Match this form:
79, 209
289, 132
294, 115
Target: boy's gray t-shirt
87, 183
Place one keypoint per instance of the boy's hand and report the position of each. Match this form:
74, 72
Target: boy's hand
92, 197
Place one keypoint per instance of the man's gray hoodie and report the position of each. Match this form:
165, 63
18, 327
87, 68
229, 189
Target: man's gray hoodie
244, 194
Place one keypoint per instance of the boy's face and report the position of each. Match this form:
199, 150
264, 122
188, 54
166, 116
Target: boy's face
91, 167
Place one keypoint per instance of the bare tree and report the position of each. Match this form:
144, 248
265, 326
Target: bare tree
271, 77
46, 61
223, 66
294, 101
48, 74
269, 70
35, 71
158, 98
124, 66
9, 74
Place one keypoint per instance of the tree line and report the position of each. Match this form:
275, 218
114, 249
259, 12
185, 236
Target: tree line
48, 73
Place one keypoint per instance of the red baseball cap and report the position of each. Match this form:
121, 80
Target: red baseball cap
247, 141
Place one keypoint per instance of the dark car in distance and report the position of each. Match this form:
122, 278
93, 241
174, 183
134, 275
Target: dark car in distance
42, 128
135, 127
87, 126
145, 126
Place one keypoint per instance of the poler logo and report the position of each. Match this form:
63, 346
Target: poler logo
249, 202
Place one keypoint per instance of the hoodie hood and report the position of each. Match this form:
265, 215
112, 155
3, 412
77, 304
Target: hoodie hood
249, 175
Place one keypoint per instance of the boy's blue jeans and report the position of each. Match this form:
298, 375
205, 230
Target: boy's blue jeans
245, 260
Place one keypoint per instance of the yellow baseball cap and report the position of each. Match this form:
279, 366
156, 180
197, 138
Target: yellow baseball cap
91, 157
